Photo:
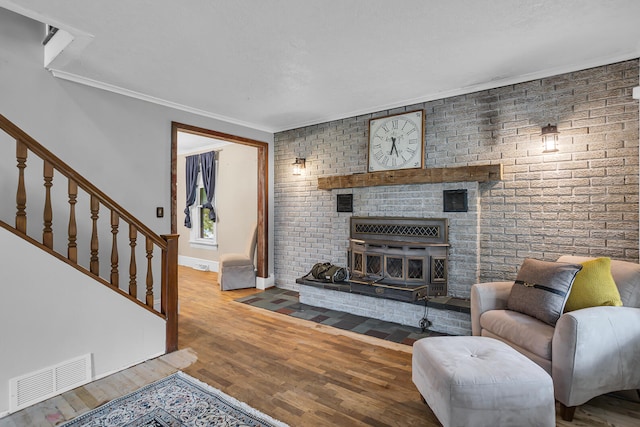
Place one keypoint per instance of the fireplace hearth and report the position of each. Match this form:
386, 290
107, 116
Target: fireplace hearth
399, 273
403, 270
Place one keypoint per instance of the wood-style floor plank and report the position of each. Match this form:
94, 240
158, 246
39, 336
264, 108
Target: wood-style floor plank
307, 374
299, 372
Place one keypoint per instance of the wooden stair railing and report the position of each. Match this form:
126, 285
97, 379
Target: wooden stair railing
166, 245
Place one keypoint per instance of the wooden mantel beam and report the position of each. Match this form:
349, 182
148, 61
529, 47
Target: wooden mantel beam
479, 173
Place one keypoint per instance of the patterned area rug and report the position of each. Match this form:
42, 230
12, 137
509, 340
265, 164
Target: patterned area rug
176, 401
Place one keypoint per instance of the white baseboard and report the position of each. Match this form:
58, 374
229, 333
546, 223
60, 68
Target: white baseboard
198, 263
106, 374
264, 283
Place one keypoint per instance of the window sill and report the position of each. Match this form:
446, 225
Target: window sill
203, 244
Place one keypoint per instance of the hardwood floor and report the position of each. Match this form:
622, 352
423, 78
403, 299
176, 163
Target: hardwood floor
300, 372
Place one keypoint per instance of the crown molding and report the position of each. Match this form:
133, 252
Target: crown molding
75, 78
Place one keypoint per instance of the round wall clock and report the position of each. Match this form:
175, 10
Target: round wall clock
396, 141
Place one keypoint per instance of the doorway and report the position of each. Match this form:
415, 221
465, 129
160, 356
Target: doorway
262, 185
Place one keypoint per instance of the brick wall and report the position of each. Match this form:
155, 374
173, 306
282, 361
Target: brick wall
580, 200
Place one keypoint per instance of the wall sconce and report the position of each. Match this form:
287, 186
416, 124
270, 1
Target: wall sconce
299, 165
550, 138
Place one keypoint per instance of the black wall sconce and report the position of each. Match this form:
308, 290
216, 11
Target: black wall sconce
550, 138
299, 165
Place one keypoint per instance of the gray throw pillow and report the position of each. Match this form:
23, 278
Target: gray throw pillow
541, 289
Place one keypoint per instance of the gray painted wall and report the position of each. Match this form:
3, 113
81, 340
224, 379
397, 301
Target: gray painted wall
40, 329
120, 144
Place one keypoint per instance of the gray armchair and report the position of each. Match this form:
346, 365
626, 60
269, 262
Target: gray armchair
588, 353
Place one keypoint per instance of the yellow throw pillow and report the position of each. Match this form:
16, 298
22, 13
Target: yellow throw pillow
594, 286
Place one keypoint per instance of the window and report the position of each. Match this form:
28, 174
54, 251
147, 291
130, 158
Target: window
203, 229
207, 226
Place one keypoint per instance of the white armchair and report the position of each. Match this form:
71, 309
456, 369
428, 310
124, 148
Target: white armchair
588, 353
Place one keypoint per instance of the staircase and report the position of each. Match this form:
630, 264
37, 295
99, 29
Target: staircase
147, 254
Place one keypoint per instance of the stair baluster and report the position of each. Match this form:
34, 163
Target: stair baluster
95, 261
149, 295
47, 232
72, 248
21, 196
133, 286
115, 276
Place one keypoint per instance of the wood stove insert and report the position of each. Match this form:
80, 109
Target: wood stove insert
392, 254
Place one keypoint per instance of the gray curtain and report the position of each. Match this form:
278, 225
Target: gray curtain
208, 164
192, 186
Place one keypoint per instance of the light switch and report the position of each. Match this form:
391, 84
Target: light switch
159, 211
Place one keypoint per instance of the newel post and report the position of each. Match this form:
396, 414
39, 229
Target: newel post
169, 296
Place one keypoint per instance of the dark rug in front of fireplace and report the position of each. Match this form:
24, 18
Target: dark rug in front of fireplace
286, 302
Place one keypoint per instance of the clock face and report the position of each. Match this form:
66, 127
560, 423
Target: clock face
395, 142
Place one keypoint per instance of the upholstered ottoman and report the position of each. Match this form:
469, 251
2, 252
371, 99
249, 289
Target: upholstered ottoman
480, 381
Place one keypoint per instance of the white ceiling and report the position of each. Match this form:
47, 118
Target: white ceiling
281, 64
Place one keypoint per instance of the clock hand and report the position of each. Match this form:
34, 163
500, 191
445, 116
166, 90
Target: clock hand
393, 146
